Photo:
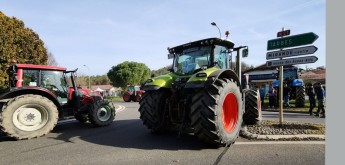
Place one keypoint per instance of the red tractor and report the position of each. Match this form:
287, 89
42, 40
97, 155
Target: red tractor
133, 94
39, 96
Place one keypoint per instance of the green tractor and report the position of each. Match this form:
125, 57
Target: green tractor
202, 92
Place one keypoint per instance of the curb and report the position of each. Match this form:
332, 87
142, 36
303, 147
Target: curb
288, 111
244, 133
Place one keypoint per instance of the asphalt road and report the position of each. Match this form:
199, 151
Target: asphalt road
127, 141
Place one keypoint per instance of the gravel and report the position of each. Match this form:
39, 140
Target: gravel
269, 127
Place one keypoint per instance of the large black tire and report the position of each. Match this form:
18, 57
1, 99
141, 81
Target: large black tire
101, 113
252, 114
28, 116
216, 113
152, 110
300, 96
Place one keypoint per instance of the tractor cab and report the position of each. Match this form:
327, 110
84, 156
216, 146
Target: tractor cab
200, 55
50, 79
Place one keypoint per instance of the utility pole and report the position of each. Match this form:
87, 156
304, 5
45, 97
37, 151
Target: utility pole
281, 68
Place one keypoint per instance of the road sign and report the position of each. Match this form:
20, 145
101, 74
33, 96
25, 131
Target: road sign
291, 52
292, 41
283, 33
292, 61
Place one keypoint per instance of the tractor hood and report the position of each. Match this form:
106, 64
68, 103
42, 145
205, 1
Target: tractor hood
192, 81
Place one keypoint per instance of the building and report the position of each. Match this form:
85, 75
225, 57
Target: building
262, 76
107, 90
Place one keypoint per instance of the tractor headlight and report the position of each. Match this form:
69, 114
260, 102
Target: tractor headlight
201, 75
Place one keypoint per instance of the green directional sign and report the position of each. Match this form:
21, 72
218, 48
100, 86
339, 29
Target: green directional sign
292, 41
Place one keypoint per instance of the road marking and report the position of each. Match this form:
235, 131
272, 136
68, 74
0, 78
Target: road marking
280, 142
121, 108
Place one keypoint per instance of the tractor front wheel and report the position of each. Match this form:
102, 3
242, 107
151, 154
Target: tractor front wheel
28, 116
216, 112
300, 96
252, 114
101, 113
137, 98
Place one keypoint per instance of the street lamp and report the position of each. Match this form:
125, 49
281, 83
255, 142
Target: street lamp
89, 76
214, 24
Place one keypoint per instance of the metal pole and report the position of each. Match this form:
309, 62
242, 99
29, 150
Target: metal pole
238, 65
89, 76
281, 68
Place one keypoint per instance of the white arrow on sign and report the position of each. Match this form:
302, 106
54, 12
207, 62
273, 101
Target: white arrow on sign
292, 61
291, 52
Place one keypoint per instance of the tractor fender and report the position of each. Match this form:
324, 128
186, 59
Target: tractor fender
222, 73
14, 92
297, 83
275, 83
213, 76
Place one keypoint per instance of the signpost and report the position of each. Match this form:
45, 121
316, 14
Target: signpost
286, 42
292, 41
292, 61
291, 52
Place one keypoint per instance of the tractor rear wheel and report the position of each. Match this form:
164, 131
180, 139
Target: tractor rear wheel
152, 110
252, 114
300, 96
28, 116
216, 112
126, 97
101, 113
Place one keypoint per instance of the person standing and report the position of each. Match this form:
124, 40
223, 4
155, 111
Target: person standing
311, 94
320, 95
262, 95
286, 95
271, 96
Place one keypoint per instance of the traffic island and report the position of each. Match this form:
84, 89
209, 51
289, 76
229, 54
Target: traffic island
290, 131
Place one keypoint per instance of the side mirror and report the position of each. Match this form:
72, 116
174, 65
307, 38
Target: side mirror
171, 70
171, 56
245, 52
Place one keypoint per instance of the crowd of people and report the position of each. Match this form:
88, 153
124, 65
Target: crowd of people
315, 92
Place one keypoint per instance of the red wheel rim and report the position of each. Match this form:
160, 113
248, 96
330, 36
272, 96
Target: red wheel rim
230, 113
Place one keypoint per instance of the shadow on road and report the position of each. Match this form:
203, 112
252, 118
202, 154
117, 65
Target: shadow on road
4, 137
126, 134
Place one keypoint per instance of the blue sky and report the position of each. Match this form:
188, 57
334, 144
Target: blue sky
104, 33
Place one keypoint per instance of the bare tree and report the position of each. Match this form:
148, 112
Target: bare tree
51, 59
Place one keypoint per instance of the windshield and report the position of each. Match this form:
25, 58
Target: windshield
290, 74
192, 59
55, 82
